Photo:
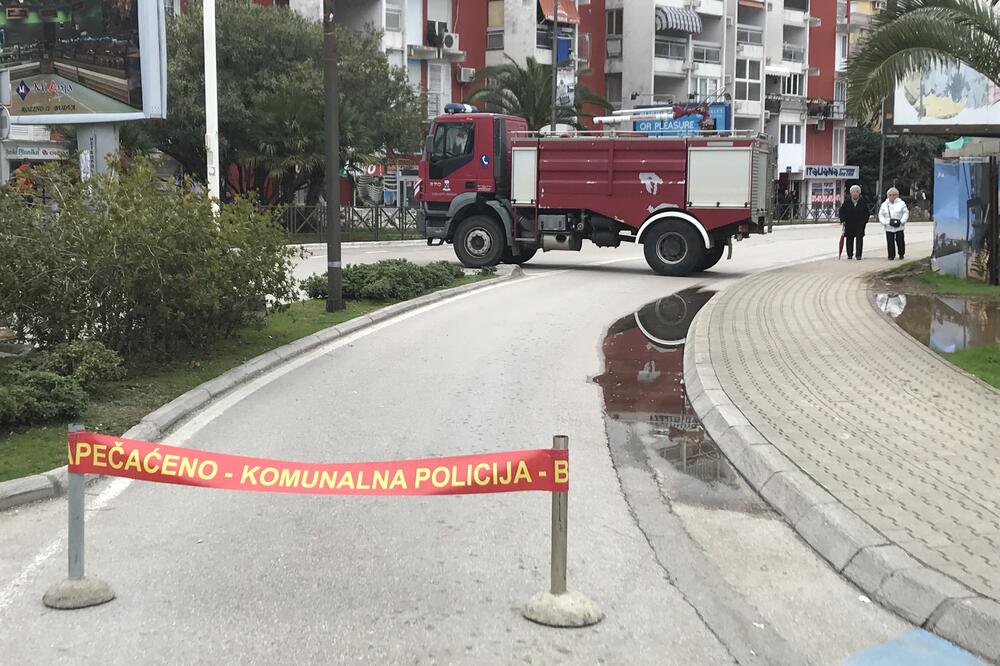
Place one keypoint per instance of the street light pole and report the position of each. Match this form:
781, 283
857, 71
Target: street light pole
555, 61
211, 104
335, 295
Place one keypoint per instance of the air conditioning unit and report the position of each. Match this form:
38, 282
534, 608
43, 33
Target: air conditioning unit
466, 74
727, 80
821, 126
449, 41
767, 115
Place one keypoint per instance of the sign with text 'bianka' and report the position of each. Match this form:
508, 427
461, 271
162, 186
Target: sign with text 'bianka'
512, 471
84, 61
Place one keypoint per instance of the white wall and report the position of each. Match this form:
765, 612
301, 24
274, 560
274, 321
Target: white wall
310, 9
357, 15
519, 29
639, 28
414, 22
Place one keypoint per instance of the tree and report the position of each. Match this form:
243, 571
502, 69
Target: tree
914, 35
270, 74
527, 92
909, 160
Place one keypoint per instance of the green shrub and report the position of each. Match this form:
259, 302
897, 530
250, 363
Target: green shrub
87, 362
145, 269
35, 396
316, 285
387, 280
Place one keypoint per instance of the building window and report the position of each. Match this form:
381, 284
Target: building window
791, 134
792, 85
840, 91
615, 21
839, 140
394, 15
583, 48
436, 80
706, 88
670, 48
748, 34
706, 53
494, 26
748, 80
613, 90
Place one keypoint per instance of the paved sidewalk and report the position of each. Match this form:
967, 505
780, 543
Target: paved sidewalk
883, 456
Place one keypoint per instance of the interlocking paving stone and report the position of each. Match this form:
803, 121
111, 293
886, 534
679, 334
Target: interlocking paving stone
849, 398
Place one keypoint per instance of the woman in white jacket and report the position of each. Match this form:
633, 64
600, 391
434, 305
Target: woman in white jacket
893, 215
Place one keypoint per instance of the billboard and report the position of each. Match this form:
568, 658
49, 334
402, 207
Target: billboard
948, 99
720, 112
85, 61
961, 224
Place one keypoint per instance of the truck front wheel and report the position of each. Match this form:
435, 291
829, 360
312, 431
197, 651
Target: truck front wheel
713, 256
479, 241
523, 258
674, 247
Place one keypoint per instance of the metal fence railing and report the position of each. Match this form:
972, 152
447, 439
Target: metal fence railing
370, 223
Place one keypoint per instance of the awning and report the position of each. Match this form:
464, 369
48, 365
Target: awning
777, 70
678, 18
567, 10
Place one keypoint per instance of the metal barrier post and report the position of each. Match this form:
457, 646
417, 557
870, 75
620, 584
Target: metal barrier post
77, 591
559, 607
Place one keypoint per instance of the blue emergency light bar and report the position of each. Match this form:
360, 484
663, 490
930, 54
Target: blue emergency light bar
460, 108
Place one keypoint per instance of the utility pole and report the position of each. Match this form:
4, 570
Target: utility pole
334, 283
211, 105
555, 60
881, 160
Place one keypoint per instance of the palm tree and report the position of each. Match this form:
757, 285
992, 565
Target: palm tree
911, 36
527, 92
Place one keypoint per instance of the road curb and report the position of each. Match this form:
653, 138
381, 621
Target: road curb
881, 569
356, 244
52, 483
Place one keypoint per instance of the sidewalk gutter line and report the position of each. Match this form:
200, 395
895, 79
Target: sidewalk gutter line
45, 485
312, 247
884, 571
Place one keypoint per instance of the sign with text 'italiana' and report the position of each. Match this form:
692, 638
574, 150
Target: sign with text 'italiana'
833, 172
509, 471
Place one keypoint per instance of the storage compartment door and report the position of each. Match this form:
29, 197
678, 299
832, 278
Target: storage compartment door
720, 177
523, 176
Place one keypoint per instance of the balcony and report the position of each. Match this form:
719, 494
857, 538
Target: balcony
793, 53
710, 7
824, 109
776, 103
745, 108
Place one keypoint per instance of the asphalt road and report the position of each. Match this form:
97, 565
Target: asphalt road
206, 576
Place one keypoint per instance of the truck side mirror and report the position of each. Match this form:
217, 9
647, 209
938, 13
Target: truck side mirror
428, 145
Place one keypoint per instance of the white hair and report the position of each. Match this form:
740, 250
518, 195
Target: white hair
855, 188
892, 190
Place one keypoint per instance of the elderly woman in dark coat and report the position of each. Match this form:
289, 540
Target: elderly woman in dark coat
854, 216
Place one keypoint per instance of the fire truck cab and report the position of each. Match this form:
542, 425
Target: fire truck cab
500, 193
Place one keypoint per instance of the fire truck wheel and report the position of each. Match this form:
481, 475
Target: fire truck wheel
479, 242
713, 256
674, 247
523, 258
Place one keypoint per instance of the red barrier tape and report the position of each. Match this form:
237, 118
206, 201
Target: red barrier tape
512, 471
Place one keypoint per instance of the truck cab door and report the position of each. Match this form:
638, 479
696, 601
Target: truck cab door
454, 163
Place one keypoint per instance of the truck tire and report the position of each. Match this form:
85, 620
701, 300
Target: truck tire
674, 247
479, 241
713, 256
523, 258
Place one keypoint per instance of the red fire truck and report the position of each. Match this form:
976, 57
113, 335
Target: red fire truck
500, 193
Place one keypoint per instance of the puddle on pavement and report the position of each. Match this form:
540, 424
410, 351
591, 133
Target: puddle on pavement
647, 411
945, 323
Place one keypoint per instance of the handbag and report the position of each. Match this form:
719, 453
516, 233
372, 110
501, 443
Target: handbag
894, 223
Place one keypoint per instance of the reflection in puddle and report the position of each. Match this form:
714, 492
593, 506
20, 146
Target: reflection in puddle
945, 323
647, 407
